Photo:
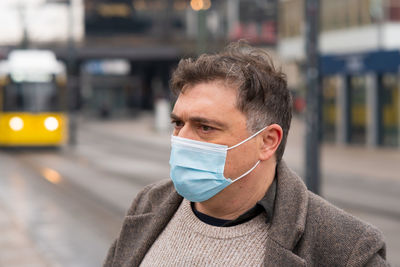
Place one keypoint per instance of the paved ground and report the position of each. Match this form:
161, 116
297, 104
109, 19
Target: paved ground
365, 182
16, 247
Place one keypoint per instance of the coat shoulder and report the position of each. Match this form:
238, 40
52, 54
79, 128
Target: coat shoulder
154, 196
334, 237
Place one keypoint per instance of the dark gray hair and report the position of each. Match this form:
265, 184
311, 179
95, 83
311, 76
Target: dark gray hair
262, 93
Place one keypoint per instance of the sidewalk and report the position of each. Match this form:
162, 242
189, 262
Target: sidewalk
377, 163
16, 249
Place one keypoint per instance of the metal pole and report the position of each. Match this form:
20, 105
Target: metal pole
202, 32
167, 20
22, 8
312, 164
72, 95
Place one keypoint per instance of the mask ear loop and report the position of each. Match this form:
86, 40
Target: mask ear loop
247, 139
244, 174
244, 141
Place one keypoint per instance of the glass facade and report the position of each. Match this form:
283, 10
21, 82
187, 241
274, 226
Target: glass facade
257, 22
390, 109
358, 113
179, 19
291, 17
329, 112
337, 14
104, 17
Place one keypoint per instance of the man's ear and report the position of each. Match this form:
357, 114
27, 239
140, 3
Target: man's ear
270, 140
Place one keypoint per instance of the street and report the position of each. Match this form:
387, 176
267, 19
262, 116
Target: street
70, 202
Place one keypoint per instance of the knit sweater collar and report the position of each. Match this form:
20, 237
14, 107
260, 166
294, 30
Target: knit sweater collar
197, 226
266, 205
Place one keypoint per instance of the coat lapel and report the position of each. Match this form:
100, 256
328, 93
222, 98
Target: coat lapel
139, 232
289, 218
278, 256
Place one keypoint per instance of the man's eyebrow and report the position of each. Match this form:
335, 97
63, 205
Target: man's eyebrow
175, 117
208, 121
201, 120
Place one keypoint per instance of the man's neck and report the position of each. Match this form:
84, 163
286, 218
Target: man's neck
240, 196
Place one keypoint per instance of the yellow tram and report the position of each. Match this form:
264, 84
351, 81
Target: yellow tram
32, 100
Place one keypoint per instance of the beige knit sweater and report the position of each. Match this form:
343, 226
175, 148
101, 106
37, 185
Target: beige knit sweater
187, 241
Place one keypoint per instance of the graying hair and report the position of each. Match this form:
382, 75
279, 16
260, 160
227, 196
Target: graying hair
262, 93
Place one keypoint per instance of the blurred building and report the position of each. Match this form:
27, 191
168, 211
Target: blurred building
120, 53
360, 59
40, 22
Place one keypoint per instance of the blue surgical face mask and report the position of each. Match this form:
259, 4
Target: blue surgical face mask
197, 168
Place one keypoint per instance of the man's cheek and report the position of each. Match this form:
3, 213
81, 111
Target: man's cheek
232, 167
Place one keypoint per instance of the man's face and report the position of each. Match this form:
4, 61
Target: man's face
207, 112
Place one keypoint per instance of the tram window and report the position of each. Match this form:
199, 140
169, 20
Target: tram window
31, 97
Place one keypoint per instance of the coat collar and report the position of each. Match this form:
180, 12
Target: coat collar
140, 231
286, 228
290, 210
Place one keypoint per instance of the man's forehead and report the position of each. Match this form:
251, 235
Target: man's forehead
204, 100
209, 92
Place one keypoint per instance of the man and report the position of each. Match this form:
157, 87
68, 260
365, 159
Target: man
232, 200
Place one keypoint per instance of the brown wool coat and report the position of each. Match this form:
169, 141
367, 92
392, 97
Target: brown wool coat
305, 229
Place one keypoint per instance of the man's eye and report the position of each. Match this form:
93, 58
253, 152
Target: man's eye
177, 124
206, 128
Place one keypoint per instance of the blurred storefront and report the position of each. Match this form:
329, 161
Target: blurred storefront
361, 97
151, 36
360, 67
106, 87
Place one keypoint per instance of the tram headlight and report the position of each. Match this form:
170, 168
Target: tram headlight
16, 124
51, 123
